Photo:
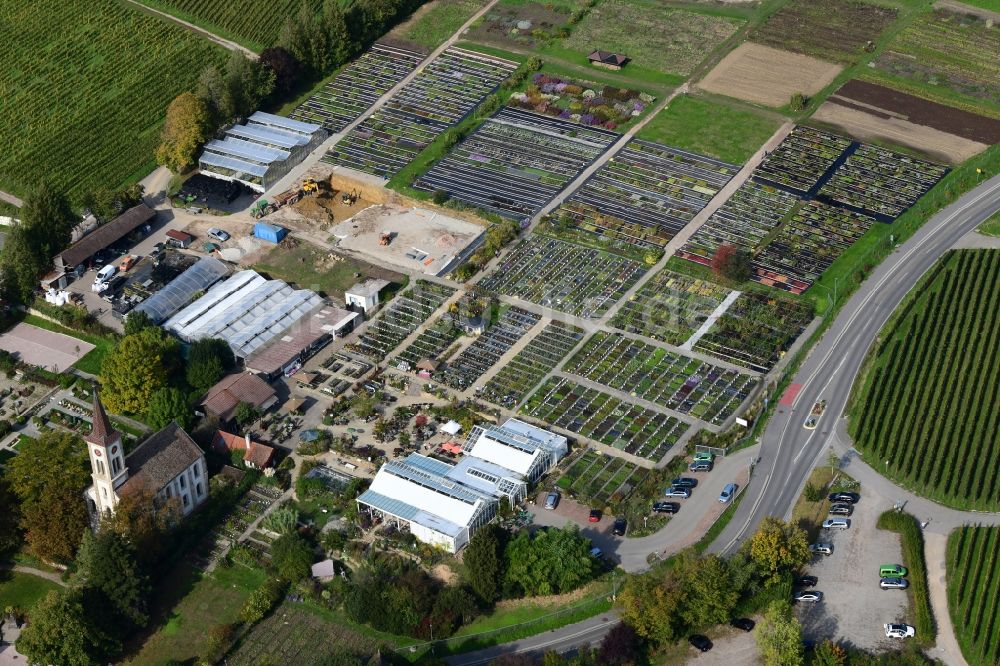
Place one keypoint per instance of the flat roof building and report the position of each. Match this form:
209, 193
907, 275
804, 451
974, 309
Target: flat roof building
517, 446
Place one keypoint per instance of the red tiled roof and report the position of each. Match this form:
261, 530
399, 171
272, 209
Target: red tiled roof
102, 432
222, 399
256, 454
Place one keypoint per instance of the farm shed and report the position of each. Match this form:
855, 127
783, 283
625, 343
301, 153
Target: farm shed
179, 239
81, 251
313, 331
261, 152
223, 398
181, 290
607, 60
255, 454
269, 232
365, 295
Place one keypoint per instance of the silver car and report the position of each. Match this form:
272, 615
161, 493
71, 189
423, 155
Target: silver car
809, 595
893, 583
674, 491
821, 548
552, 500
218, 234
836, 524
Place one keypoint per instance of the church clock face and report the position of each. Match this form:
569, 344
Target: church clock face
114, 449
97, 452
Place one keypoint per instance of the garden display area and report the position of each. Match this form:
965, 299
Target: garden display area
645, 194
801, 159
928, 397
583, 102
403, 316
487, 349
686, 385
515, 162
604, 418
570, 278
112, 69
359, 85
599, 478
445, 91
540, 356
433, 341
974, 592
525, 24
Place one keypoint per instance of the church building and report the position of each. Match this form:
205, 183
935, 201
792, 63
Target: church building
169, 464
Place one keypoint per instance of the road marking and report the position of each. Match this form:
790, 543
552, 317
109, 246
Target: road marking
821, 392
753, 511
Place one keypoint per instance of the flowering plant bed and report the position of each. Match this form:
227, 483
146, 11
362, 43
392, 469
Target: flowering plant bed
540, 356
804, 156
686, 385
357, 87
646, 193
487, 349
581, 102
576, 280
401, 318
669, 307
604, 418
433, 341
597, 479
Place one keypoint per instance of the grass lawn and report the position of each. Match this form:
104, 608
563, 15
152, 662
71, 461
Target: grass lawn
435, 23
991, 227
809, 515
188, 606
714, 129
22, 590
91, 362
310, 267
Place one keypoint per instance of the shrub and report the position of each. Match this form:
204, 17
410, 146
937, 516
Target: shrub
913, 555
261, 601
798, 102
813, 492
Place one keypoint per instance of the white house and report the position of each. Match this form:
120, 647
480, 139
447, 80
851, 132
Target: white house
364, 296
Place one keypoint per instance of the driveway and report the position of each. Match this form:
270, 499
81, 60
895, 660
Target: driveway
854, 607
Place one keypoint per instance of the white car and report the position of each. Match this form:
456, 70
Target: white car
822, 548
218, 234
809, 595
899, 631
836, 524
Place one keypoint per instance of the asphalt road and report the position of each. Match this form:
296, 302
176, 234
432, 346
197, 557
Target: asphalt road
788, 451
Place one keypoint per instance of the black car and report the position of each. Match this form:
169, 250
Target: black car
744, 623
806, 581
684, 482
666, 507
701, 642
620, 525
850, 498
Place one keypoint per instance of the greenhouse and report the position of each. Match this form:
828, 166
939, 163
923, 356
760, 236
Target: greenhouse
181, 290
261, 152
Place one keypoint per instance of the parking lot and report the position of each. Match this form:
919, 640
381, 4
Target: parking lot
854, 607
572, 512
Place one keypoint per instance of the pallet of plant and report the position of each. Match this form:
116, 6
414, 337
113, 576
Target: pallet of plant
801, 159
432, 341
669, 307
403, 316
581, 102
540, 356
487, 349
599, 480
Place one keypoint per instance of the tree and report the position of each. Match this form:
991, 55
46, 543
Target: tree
779, 636
10, 517
363, 405
484, 561
62, 632
247, 84
732, 263
139, 365
798, 102
214, 94
245, 415
207, 362
339, 44
292, 557
285, 67
513, 659
778, 547
167, 405
136, 321
45, 229
649, 606
709, 593
185, 130
145, 522
620, 647
550, 562
106, 203
108, 564
829, 653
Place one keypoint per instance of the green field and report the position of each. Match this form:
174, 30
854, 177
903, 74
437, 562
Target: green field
974, 592
930, 391
717, 130
22, 590
309, 267
430, 27
990, 227
86, 85
255, 24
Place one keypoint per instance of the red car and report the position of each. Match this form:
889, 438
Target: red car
595, 515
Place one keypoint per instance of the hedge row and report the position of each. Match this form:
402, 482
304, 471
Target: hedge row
913, 558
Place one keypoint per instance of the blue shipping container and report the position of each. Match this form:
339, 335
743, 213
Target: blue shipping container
269, 232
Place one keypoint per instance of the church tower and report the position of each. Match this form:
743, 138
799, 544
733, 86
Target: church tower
107, 459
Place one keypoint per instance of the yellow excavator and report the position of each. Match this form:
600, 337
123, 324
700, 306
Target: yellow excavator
310, 187
349, 199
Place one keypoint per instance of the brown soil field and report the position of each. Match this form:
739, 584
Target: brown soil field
880, 100
867, 125
768, 76
499, 25
830, 29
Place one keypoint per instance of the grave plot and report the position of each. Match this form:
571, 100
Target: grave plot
445, 91
669, 307
756, 330
597, 478
805, 247
432, 342
646, 193
542, 354
604, 418
484, 353
357, 87
576, 280
745, 220
515, 162
801, 159
882, 182
677, 382
400, 319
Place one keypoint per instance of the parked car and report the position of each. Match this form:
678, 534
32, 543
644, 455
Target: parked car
851, 498
128, 262
595, 516
666, 507
218, 234
552, 500
893, 583
157, 250
806, 581
620, 526
836, 524
899, 631
677, 492
704, 455
821, 548
700, 642
809, 595
105, 274
684, 482
100, 258
744, 623
841, 510
892, 571
727, 492
700, 466
597, 553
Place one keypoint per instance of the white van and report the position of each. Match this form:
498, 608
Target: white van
105, 274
